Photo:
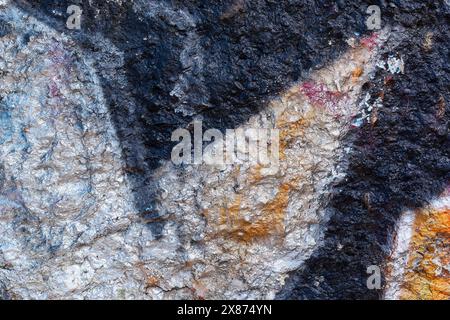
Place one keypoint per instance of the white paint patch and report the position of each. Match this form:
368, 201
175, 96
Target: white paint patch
442, 203
396, 65
66, 196
400, 255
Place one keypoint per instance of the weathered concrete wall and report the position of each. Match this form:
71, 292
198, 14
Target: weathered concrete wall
91, 205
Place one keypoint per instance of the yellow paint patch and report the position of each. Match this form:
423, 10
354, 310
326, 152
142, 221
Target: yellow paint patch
291, 130
255, 174
357, 72
234, 225
426, 276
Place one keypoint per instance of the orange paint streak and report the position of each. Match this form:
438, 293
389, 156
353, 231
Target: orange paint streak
233, 225
256, 175
289, 131
426, 276
357, 73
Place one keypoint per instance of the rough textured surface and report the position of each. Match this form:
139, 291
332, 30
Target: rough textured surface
244, 226
62, 184
91, 207
400, 162
419, 265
